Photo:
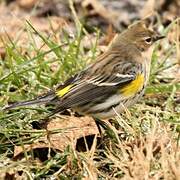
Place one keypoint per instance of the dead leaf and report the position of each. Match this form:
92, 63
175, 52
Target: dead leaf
70, 130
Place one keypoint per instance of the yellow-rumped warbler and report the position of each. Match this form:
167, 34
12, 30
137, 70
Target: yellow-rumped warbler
116, 80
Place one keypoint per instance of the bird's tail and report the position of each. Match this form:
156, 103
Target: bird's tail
48, 98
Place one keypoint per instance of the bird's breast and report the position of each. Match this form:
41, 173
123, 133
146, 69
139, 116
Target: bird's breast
134, 86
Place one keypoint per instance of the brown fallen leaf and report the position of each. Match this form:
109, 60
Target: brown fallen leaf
68, 130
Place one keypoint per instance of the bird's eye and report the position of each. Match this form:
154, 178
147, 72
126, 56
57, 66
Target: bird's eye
148, 40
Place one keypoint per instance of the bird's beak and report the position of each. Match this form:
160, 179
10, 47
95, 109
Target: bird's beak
158, 37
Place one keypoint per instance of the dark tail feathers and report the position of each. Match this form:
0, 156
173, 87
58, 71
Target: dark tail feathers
49, 97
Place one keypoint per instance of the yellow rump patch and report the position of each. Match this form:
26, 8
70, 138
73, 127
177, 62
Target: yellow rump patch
135, 86
63, 91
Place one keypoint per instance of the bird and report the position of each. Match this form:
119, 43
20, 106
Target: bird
116, 80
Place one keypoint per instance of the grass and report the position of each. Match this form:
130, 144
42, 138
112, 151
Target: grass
144, 144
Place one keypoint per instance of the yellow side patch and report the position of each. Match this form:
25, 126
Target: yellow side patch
63, 91
135, 86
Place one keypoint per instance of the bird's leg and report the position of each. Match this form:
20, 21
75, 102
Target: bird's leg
108, 130
99, 124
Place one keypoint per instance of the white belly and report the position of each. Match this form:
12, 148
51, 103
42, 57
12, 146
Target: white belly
117, 109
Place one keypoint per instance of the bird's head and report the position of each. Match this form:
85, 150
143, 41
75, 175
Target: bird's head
141, 36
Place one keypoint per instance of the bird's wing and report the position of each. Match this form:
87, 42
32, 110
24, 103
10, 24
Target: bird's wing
87, 89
